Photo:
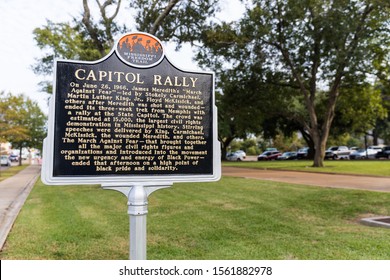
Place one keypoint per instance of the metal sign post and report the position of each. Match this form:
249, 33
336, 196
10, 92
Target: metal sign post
137, 203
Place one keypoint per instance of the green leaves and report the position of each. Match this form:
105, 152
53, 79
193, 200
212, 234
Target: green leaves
22, 122
62, 40
303, 53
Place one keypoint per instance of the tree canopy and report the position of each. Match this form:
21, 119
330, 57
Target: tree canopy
311, 49
90, 37
23, 124
289, 65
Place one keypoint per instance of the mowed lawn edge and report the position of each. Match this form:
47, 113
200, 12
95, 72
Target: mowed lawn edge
11, 171
352, 167
234, 218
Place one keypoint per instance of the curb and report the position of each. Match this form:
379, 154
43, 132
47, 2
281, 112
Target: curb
8, 219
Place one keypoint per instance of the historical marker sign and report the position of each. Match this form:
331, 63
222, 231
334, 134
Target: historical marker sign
131, 117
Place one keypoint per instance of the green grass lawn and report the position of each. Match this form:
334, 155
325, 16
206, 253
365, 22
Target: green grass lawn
362, 167
230, 219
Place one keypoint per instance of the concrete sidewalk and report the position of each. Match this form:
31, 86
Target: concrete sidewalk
369, 183
13, 193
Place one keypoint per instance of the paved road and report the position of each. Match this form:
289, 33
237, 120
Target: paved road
381, 184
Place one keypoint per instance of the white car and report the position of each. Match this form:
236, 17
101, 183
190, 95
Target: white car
4, 161
241, 154
236, 156
363, 154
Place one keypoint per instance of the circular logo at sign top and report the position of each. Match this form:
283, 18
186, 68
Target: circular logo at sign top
140, 50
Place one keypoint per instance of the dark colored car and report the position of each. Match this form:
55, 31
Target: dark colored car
303, 153
269, 155
288, 156
385, 153
13, 158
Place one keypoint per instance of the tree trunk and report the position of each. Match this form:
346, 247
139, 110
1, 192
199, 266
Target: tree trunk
310, 143
320, 135
162, 16
375, 137
319, 155
20, 156
224, 144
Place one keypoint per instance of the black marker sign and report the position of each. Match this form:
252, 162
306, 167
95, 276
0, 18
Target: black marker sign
131, 117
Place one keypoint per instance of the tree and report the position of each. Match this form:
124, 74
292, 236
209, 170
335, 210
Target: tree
382, 126
358, 110
88, 39
22, 122
237, 117
176, 20
313, 48
83, 38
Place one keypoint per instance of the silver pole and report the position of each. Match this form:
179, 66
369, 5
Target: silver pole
137, 203
137, 210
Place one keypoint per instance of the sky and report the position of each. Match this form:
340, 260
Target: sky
18, 51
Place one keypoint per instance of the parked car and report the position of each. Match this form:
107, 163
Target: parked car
4, 161
337, 152
363, 154
303, 153
13, 158
377, 148
235, 156
269, 155
384, 153
241, 154
288, 156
